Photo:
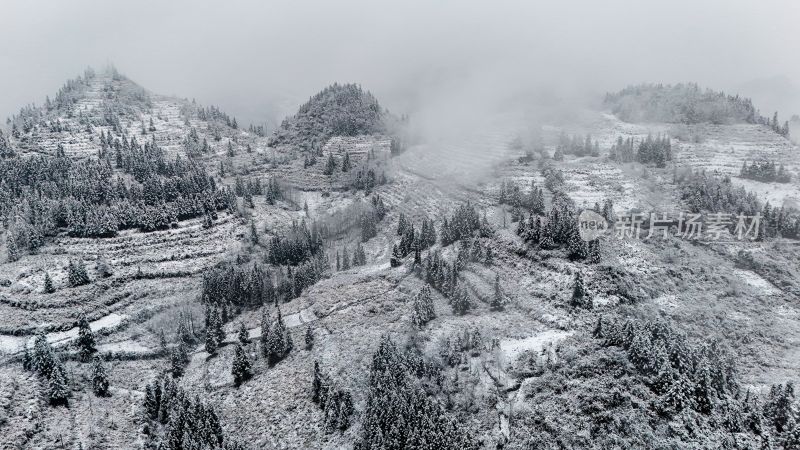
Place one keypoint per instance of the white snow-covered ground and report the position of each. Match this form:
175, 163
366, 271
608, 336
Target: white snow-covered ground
303, 317
127, 346
14, 344
511, 349
777, 194
756, 281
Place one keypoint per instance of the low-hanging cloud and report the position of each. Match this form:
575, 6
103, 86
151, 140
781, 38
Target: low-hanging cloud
258, 60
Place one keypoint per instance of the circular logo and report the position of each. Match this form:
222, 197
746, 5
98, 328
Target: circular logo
591, 225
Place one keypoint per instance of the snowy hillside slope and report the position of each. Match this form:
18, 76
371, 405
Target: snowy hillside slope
538, 359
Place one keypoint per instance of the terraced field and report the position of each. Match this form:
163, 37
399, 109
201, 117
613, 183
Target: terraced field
147, 267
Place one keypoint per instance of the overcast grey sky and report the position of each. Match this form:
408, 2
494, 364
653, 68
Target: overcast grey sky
257, 59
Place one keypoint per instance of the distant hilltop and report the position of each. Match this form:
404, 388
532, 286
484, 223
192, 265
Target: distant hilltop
337, 110
686, 103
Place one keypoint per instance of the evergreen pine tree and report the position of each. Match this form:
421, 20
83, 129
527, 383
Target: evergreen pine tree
43, 360
580, 298
534, 230
58, 386
48, 284
359, 257
461, 302
406, 241
678, 396
166, 399
401, 224
309, 338
278, 341
183, 334
319, 386
546, 236
218, 323
664, 378
576, 246
178, 360
422, 310
399, 414
11, 248
152, 400
85, 341
253, 232
430, 236
498, 300
337, 409
241, 369
703, 391
162, 342
537, 201
489, 256
211, 341
99, 378
27, 359
396, 259
208, 221
244, 334
640, 351
781, 410
345, 259
330, 165
346, 166
77, 275
265, 326
522, 228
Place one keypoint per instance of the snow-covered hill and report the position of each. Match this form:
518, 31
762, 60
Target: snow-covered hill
526, 363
